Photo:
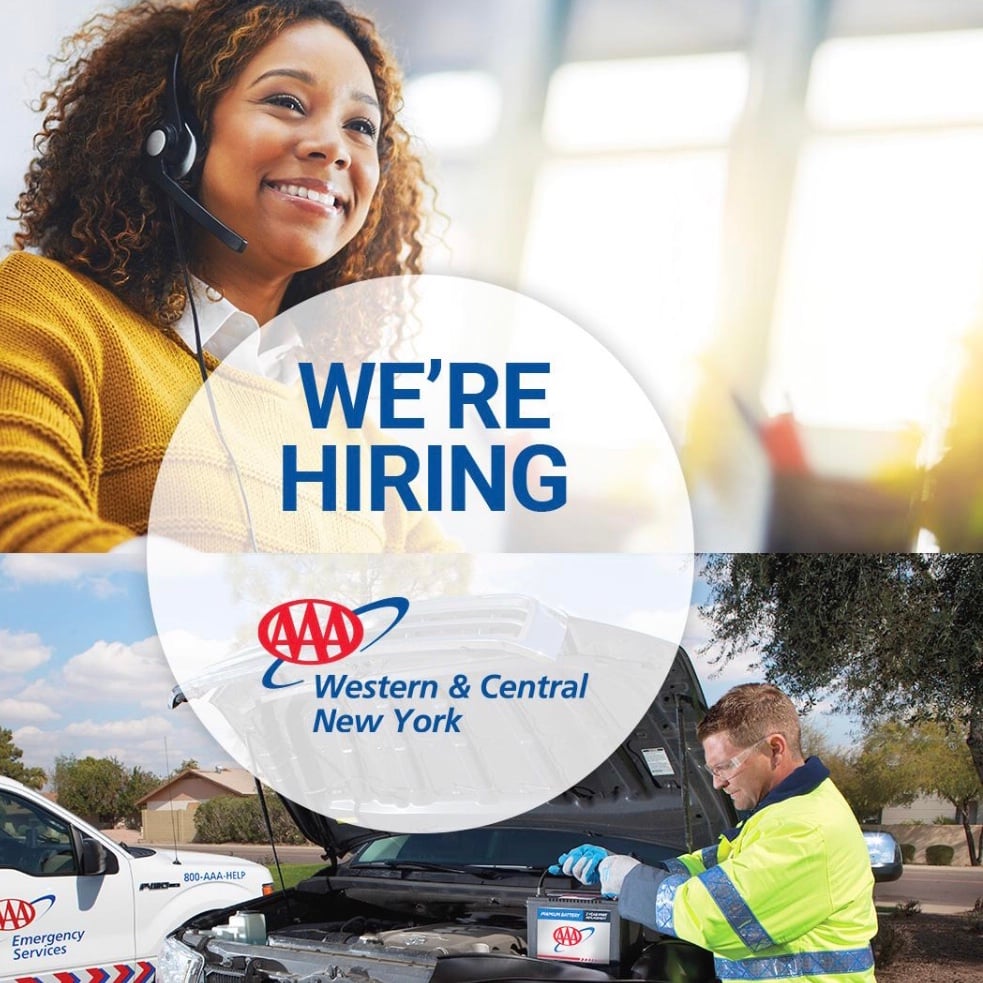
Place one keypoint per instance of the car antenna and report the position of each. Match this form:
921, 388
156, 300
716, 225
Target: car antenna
269, 829
167, 765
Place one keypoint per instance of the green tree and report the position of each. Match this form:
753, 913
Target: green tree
94, 788
138, 783
11, 765
888, 771
186, 765
239, 819
876, 772
884, 634
896, 761
946, 769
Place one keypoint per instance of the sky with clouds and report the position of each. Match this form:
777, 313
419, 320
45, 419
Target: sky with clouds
82, 672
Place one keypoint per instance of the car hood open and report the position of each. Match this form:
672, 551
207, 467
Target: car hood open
652, 788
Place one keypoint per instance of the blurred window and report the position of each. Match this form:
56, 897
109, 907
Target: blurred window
453, 112
880, 278
626, 217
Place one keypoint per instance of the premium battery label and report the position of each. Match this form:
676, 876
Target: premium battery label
577, 934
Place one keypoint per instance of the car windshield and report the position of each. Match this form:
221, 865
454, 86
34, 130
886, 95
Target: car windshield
489, 847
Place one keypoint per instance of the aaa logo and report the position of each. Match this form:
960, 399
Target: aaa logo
313, 632
310, 632
16, 913
566, 936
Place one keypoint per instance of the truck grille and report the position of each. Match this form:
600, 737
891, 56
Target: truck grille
223, 976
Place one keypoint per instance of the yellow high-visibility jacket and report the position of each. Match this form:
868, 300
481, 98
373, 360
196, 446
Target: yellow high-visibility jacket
787, 895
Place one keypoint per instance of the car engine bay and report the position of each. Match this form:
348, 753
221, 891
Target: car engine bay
311, 935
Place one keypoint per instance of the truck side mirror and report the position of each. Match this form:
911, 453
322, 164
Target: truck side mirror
96, 859
885, 855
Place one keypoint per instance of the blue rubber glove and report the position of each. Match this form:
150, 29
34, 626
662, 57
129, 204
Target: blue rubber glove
612, 871
581, 862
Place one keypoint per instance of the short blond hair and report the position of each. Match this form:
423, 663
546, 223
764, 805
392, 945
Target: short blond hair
750, 712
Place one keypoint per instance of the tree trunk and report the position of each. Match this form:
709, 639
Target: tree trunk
974, 739
974, 853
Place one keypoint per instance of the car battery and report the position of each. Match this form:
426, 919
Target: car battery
583, 928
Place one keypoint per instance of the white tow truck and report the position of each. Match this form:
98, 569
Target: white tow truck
76, 907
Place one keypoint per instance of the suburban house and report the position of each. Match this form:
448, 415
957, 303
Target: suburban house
168, 812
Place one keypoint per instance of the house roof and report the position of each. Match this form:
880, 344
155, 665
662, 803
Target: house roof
228, 781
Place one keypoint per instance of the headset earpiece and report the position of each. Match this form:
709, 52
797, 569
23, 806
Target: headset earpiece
173, 139
165, 142
170, 151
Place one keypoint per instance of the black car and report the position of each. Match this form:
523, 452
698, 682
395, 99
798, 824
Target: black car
480, 904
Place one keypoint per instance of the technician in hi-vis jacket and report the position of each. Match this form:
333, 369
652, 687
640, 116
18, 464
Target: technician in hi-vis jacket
788, 893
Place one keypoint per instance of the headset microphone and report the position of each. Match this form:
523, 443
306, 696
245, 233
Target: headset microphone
169, 154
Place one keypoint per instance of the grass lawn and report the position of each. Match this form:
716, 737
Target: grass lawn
292, 873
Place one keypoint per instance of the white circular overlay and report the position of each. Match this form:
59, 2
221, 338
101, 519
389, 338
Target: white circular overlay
432, 586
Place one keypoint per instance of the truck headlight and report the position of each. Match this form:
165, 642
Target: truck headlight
178, 963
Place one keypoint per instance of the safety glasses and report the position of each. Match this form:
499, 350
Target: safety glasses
727, 768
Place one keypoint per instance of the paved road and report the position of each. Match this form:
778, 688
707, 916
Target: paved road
939, 889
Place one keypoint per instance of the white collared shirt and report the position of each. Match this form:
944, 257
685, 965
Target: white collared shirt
221, 324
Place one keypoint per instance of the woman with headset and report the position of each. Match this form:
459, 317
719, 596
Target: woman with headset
201, 168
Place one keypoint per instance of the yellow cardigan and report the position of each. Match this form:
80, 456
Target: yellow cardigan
90, 395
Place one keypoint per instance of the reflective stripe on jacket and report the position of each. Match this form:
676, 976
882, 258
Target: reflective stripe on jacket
788, 895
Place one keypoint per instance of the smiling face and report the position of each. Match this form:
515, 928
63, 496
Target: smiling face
292, 162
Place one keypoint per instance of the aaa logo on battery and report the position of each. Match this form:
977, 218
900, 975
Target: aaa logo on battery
310, 632
566, 936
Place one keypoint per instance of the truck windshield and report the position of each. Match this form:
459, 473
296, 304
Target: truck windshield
532, 849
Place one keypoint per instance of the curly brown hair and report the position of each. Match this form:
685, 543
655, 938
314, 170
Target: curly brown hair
87, 203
